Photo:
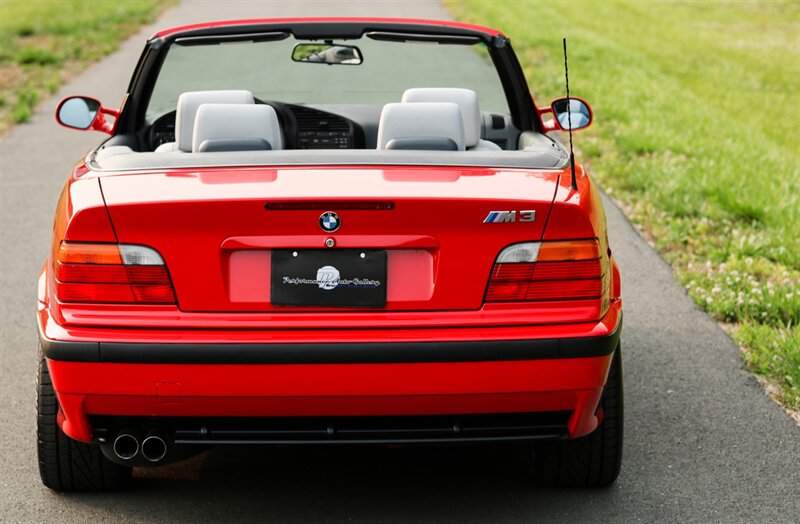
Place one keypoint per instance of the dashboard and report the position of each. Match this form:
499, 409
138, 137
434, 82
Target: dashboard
304, 127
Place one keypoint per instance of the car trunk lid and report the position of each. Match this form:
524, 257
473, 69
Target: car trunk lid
224, 232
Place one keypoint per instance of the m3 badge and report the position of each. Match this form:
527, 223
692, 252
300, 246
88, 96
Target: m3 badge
498, 217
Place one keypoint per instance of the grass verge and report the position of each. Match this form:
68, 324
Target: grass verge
43, 43
697, 107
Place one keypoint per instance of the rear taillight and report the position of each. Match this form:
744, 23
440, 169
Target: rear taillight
112, 273
563, 270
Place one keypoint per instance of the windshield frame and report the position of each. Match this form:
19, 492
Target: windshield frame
522, 109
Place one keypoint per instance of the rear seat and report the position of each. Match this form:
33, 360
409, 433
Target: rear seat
236, 127
431, 127
467, 101
188, 103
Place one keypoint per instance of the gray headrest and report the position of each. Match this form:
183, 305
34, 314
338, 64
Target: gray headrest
466, 99
236, 127
187, 110
427, 124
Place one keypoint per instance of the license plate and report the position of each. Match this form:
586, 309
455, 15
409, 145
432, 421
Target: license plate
329, 278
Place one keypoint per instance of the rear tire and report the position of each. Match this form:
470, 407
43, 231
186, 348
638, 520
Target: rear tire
66, 464
593, 460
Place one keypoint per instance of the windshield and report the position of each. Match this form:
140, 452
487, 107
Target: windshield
267, 70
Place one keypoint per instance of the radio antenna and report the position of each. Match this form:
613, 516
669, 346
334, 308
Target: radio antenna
569, 120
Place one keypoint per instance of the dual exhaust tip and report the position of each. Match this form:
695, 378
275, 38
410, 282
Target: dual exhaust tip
127, 446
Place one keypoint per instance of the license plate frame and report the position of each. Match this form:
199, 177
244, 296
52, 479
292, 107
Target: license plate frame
341, 278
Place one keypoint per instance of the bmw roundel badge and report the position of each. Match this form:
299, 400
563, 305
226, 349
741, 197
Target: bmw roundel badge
329, 221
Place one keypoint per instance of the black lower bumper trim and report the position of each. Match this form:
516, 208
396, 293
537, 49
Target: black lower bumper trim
332, 353
401, 429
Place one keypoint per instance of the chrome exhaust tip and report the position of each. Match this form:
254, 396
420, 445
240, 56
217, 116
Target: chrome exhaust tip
154, 448
126, 446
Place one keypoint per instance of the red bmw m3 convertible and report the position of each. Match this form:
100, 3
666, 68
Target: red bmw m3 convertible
327, 231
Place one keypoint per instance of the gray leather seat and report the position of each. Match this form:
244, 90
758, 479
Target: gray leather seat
188, 103
467, 101
236, 127
430, 126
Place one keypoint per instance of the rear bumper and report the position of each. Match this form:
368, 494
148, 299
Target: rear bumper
330, 352
98, 376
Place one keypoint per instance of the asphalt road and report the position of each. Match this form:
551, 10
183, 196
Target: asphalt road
703, 442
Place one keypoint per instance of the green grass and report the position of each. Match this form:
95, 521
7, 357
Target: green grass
774, 353
697, 136
45, 42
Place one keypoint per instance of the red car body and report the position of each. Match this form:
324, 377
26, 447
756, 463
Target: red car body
439, 347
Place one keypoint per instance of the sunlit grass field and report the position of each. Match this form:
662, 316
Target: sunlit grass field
45, 42
697, 135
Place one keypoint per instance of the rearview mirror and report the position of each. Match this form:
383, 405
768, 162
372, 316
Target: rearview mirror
327, 54
571, 111
82, 112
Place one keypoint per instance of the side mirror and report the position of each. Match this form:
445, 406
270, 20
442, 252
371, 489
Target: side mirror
572, 112
84, 113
